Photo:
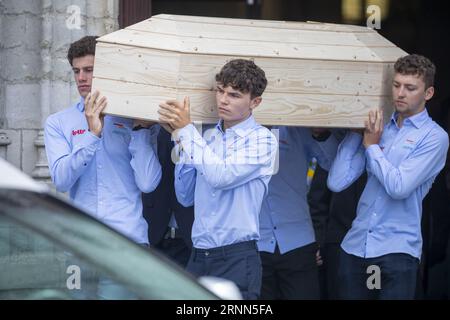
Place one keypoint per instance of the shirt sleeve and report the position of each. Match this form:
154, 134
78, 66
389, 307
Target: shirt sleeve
185, 178
349, 163
144, 160
251, 160
67, 163
424, 163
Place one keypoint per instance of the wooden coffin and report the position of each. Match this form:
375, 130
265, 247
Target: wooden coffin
319, 74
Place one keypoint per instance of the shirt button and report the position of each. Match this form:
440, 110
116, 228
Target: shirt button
99, 166
370, 231
213, 194
374, 214
207, 253
100, 202
274, 228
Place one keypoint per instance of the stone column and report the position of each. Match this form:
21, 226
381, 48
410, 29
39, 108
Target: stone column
35, 77
2, 80
41, 171
62, 23
20, 74
4, 142
4, 139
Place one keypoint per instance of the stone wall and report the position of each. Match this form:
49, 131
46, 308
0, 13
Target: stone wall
35, 77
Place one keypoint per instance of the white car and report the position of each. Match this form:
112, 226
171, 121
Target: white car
49, 249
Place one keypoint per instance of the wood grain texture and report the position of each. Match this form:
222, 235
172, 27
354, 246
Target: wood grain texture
255, 34
141, 102
246, 48
156, 67
272, 24
319, 74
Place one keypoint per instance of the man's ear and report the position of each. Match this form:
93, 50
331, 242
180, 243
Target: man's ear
429, 93
255, 102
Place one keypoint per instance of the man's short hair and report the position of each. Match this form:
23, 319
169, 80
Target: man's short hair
243, 75
415, 64
83, 47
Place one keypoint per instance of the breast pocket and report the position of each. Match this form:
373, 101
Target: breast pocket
407, 149
402, 152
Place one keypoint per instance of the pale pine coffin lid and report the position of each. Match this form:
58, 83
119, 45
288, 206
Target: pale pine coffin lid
319, 74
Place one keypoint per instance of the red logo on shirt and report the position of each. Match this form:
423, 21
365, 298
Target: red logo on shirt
79, 131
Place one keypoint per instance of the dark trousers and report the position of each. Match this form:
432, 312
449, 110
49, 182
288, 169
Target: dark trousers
398, 275
239, 262
292, 275
174, 248
330, 253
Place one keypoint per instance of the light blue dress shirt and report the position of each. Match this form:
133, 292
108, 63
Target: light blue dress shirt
401, 170
226, 174
104, 176
285, 219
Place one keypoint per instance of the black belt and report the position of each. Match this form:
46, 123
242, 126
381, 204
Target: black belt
224, 250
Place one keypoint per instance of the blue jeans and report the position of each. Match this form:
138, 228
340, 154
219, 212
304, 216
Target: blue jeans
398, 276
239, 262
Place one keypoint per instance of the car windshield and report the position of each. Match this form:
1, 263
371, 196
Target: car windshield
51, 250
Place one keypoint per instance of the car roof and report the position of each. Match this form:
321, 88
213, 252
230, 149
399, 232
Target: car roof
13, 178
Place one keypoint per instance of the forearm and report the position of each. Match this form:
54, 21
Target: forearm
239, 166
144, 160
67, 166
349, 163
185, 179
401, 181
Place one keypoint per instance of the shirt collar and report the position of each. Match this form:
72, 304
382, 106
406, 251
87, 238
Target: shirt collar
418, 120
241, 129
